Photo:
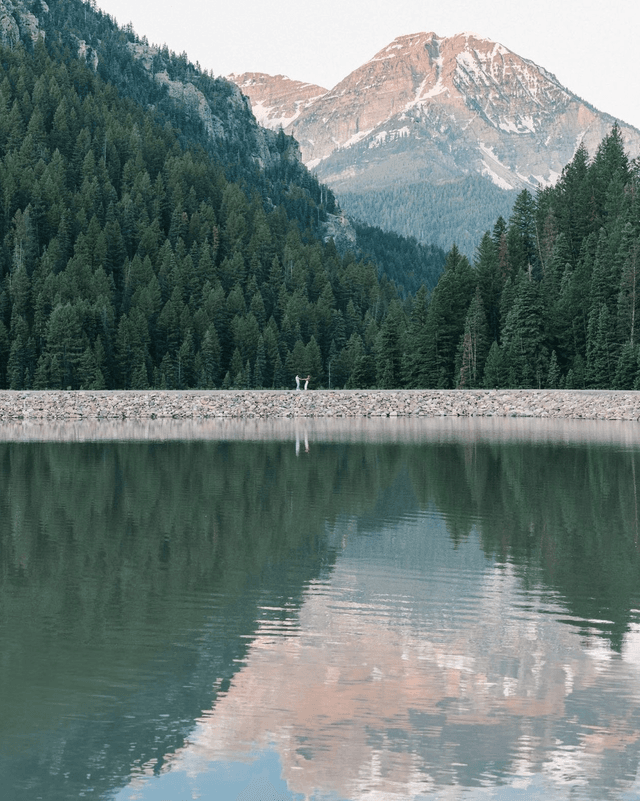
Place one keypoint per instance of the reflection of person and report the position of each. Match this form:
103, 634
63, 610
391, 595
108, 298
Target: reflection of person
297, 382
304, 436
306, 382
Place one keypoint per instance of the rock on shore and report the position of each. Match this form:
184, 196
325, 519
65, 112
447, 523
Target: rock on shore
266, 404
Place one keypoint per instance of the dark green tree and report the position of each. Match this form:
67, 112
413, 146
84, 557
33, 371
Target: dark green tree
474, 346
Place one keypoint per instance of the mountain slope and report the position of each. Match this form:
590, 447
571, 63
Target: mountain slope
287, 99
205, 111
456, 212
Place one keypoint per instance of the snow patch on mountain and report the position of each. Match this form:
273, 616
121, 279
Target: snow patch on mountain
495, 178
493, 168
379, 139
548, 180
262, 113
470, 68
437, 89
509, 126
276, 101
357, 137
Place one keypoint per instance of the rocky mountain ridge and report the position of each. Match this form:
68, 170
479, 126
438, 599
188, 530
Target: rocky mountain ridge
216, 104
434, 109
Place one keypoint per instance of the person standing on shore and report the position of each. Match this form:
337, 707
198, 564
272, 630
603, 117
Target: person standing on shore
306, 382
297, 382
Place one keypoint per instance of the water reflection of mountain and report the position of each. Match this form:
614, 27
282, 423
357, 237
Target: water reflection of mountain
413, 668
133, 576
493, 683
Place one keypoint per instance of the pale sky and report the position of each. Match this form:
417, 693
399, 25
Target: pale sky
591, 46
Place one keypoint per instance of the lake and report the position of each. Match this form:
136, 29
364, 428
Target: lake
329, 611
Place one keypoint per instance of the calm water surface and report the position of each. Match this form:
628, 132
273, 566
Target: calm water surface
442, 610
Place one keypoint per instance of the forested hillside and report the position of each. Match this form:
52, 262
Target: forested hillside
435, 214
128, 259
201, 109
212, 113
407, 262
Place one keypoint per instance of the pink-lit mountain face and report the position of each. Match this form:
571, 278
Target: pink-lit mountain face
434, 109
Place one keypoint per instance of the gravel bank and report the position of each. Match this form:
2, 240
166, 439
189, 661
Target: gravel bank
269, 404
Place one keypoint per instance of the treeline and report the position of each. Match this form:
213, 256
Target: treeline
128, 260
552, 297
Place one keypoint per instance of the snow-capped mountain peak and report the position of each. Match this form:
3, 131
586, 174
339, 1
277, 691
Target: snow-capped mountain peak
435, 107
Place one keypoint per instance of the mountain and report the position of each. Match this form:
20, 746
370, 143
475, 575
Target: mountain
428, 110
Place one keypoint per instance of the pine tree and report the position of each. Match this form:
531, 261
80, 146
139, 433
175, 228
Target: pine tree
524, 344
600, 363
576, 376
493, 369
236, 369
296, 362
313, 362
209, 359
490, 282
64, 346
140, 377
610, 173
629, 293
573, 211
21, 363
411, 366
260, 364
474, 345
184, 363
279, 374
445, 321
627, 367
4, 353
522, 237
553, 376
390, 348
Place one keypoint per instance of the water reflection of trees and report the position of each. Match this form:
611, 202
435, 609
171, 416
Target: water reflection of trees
566, 516
116, 557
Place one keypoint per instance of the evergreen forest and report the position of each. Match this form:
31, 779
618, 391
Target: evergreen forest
138, 249
551, 298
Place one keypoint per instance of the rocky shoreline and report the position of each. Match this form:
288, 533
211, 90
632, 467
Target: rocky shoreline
273, 404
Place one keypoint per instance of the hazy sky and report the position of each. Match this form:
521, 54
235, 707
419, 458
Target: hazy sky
592, 46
